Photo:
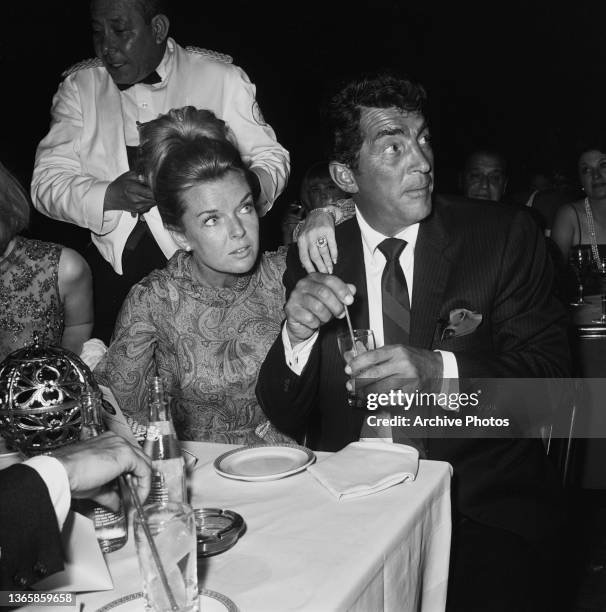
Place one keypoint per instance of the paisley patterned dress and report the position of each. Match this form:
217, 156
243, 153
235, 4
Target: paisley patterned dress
29, 295
207, 343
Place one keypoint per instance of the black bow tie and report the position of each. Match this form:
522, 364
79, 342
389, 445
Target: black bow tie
151, 79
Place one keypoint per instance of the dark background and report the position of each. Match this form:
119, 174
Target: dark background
525, 78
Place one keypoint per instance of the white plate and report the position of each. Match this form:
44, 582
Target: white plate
210, 601
264, 462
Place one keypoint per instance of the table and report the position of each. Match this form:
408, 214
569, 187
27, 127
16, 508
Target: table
303, 550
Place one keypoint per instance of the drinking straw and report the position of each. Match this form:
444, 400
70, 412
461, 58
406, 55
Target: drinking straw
127, 479
353, 340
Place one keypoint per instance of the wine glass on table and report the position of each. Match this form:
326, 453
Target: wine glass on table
580, 259
602, 274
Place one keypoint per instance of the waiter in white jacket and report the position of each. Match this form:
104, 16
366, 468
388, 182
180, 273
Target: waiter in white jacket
86, 168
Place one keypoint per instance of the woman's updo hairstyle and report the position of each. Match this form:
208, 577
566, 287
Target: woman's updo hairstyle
181, 149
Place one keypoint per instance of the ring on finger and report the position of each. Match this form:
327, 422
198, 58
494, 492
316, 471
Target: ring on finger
321, 242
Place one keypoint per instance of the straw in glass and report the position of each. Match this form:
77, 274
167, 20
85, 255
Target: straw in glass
353, 340
150, 540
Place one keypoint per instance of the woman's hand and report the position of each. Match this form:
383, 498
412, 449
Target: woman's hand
316, 241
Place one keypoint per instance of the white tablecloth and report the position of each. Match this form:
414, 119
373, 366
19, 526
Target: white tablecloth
303, 550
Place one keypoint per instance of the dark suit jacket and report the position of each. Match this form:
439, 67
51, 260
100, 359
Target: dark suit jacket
486, 257
30, 543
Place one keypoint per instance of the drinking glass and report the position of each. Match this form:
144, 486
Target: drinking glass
363, 340
173, 528
580, 259
602, 273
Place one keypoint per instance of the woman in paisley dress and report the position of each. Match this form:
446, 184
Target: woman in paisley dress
205, 322
44, 287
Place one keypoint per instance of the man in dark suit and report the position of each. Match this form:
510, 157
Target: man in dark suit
35, 497
481, 257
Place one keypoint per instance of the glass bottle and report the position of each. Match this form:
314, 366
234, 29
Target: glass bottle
110, 527
162, 446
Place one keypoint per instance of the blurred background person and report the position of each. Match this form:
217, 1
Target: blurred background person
44, 287
205, 322
583, 223
545, 193
317, 191
484, 176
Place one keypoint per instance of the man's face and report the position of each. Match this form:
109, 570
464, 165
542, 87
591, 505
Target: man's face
394, 178
484, 178
127, 45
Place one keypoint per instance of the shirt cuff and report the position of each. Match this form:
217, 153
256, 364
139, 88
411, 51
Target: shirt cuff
111, 220
297, 357
264, 202
55, 477
450, 376
97, 219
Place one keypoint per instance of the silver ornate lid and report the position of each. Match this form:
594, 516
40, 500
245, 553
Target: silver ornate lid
40, 387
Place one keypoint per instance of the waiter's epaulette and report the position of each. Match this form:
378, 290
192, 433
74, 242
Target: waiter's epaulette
220, 57
91, 62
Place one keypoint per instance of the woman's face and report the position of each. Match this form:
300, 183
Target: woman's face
592, 172
222, 228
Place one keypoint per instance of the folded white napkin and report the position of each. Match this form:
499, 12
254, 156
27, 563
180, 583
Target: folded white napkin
362, 468
84, 565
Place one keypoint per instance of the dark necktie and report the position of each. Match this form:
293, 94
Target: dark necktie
396, 318
151, 79
394, 294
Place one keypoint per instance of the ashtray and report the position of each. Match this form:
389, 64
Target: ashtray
217, 530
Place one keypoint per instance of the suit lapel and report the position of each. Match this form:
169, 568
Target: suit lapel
431, 270
350, 268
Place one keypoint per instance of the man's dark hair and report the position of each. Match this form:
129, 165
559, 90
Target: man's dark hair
147, 8
150, 8
378, 91
589, 142
487, 152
